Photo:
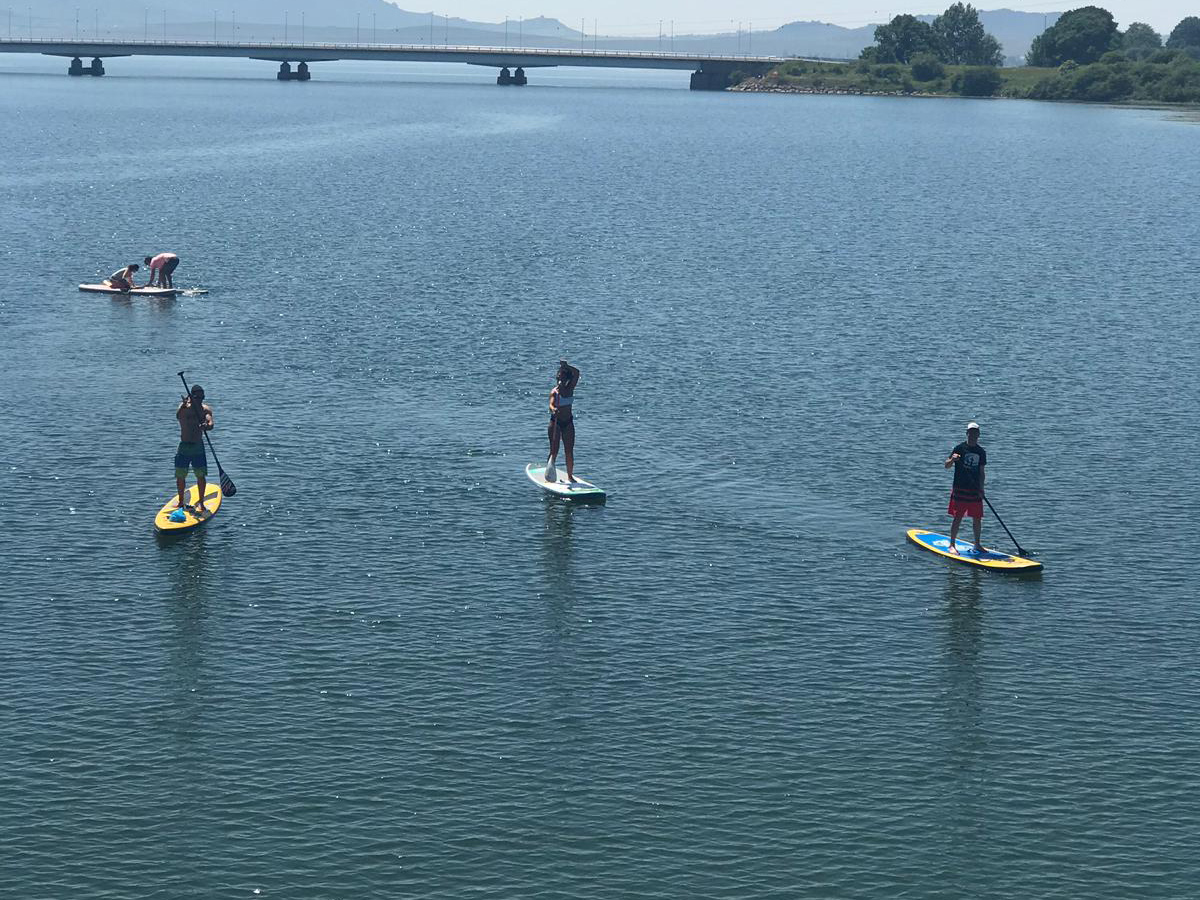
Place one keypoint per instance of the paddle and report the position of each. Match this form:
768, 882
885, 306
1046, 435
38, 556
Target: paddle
551, 471
1020, 549
228, 488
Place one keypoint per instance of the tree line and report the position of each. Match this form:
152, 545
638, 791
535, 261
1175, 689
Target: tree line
1094, 59
1085, 35
955, 38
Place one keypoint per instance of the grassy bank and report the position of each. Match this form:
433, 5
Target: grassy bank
1167, 77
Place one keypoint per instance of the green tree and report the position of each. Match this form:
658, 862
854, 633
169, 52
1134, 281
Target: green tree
927, 67
961, 41
900, 40
979, 81
1140, 40
1185, 35
1083, 35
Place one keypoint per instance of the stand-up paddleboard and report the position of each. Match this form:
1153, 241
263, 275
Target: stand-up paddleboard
988, 559
133, 292
171, 518
561, 487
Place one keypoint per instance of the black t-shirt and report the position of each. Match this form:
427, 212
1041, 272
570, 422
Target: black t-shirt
967, 468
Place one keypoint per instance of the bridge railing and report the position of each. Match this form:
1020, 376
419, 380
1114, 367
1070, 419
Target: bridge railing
553, 52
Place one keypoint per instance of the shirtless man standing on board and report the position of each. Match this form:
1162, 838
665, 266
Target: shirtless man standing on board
191, 443
161, 267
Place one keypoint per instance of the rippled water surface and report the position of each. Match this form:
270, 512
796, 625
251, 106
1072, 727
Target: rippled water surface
391, 668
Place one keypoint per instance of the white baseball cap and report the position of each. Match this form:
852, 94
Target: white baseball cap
971, 425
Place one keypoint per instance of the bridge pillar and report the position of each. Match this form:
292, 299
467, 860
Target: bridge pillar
711, 79
286, 73
76, 67
519, 77
505, 77
97, 67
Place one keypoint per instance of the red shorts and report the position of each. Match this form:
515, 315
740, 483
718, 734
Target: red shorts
972, 508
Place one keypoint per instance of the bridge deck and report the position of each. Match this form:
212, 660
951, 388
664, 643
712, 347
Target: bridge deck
497, 57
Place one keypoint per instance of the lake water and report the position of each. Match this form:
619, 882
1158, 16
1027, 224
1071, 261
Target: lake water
391, 668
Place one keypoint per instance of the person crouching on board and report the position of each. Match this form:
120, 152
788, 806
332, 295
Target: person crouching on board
966, 495
195, 417
122, 280
562, 422
162, 266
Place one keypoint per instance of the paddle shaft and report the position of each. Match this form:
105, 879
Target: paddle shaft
1020, 549
200, 421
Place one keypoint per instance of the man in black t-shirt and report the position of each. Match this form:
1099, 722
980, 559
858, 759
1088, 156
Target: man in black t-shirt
966, 496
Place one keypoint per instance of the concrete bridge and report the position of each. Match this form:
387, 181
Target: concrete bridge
709, 73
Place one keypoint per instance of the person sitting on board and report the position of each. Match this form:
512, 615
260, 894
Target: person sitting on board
562, 422
162, 266
122, 280
966, 495
195, 417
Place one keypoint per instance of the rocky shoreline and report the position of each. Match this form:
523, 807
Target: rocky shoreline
763, 86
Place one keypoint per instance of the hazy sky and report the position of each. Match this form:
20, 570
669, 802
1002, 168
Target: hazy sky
642, 16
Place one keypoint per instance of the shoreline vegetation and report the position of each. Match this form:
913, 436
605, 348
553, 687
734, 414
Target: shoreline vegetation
1082, 58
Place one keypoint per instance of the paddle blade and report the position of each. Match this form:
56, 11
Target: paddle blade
228, 488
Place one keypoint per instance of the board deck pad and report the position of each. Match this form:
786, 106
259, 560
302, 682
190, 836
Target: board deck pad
169, 519
989, 559
561, 487
135, 292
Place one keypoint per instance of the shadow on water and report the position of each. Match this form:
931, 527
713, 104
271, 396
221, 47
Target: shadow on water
189, 558
965, 728
557, 545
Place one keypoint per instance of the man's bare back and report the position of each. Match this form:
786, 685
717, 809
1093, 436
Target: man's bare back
190, 430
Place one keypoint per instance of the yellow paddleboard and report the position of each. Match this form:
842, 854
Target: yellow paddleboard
172, 519
988, 559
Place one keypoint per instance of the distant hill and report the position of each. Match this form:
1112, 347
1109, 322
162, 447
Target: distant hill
349, 20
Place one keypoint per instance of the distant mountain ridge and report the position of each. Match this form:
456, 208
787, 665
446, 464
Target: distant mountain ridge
366, 20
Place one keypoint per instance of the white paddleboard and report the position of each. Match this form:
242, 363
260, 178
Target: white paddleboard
136, 292
561, 487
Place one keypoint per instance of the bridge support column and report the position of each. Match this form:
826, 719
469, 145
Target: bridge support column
710, 80
76, 67
506, 77
286, 73
97, 68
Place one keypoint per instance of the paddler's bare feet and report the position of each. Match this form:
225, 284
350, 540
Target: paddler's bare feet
952, 549
979, 548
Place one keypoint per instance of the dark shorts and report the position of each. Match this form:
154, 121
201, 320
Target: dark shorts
170, 266
190, 455
120, 284
564, 428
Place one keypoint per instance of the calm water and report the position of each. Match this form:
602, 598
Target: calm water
390, 668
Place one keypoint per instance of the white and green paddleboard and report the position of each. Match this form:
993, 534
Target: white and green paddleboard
560, 486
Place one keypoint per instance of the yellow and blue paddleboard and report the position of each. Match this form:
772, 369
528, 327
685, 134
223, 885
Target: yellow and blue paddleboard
988, 559
171, 519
